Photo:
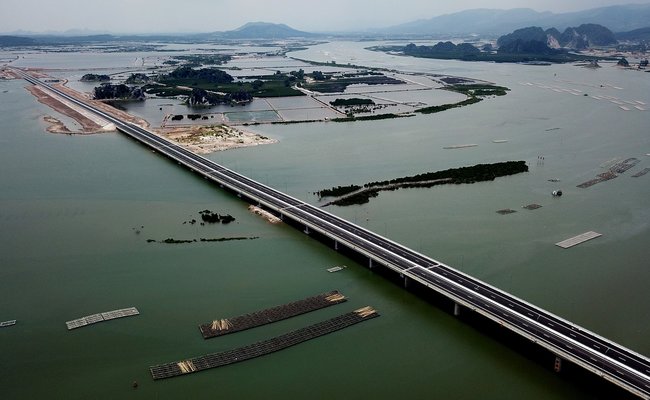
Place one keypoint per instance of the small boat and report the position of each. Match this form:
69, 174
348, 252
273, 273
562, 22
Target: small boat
7, 323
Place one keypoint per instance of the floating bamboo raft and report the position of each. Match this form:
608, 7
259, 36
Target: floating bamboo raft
220, 327
105, 316
613, 171
576, 240
641, 173
5, 324
262, 348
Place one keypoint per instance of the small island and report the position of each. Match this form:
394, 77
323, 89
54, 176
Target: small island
338, 191
354, 195
106, 91
212, 218
95, 78
137, 79
526, 45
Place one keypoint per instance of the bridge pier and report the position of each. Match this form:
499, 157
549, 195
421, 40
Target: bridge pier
406, 282
336, 245
401, 259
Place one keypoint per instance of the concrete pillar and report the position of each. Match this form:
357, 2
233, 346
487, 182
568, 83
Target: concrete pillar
370, 263
558, 364
336, 245
307, 230
406, 282
456, 309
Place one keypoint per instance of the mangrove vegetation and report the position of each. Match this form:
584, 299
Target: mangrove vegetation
210, 217
476, 93
95, 78
352, 102
476, 173
203, 240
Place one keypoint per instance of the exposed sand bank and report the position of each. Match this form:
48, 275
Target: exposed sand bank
88, 125
6, 73
199, 139
264, 214
208, 139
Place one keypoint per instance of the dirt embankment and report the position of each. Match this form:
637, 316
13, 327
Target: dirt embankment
199, 139
88, 122
208, 139
88, 126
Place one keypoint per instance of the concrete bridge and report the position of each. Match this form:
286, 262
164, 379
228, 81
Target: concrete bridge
564, 339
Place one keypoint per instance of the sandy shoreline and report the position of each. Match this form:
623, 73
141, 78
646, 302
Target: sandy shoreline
198, 139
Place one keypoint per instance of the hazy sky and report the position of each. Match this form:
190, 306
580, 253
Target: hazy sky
138, 16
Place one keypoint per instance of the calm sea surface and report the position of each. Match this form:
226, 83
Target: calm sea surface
71, 207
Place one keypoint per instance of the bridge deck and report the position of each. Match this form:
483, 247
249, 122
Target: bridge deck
594, 353
105, 316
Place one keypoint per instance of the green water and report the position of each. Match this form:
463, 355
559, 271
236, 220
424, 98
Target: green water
70, 206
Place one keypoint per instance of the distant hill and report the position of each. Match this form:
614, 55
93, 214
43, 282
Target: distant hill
16, 41
637, 34
57, 40
499, 22
586, 35
535, 40
484, 21
264, 30
532, 33
252, 30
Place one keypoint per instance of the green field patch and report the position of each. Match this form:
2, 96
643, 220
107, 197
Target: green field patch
352, 102
338, 85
